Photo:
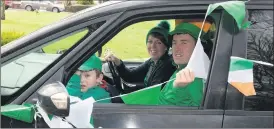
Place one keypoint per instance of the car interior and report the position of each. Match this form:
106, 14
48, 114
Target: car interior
117, 86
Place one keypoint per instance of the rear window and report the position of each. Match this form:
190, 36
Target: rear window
261, 47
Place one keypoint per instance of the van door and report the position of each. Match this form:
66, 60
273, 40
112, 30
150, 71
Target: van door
210, 114
255, 43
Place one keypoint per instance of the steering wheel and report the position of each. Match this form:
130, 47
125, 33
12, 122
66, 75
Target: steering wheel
118, 83
115, 76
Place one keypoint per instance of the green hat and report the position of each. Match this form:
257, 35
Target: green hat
162, 28
92, 63
187, 28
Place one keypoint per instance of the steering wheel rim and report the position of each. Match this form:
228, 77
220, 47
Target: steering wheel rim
115, 77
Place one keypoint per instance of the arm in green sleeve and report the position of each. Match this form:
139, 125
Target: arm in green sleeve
195, 91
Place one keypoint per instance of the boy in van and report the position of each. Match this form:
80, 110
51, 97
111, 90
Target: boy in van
86, 81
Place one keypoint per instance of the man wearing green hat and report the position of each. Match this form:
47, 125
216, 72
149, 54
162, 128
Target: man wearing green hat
86, 83
186, 90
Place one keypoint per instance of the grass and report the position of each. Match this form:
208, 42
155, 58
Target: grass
130, 42
28, 22
64, 43
127, 44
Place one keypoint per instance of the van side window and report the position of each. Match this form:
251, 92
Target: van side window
260, 47
135, 45
30, 65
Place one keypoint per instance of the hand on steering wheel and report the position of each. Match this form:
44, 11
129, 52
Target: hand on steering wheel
110, 57
111, 60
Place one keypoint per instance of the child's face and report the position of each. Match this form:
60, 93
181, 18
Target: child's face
89, 79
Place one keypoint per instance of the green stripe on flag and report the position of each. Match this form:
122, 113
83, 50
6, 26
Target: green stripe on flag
147, 96
235, 8
240, 64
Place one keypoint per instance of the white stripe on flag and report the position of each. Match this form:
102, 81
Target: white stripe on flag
199, 61
80, 113
241, 76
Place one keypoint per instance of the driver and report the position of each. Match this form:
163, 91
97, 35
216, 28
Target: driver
155, 70
86, 81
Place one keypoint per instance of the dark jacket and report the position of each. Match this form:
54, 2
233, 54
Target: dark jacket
148, 73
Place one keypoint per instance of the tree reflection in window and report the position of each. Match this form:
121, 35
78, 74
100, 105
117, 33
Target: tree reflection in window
261, 47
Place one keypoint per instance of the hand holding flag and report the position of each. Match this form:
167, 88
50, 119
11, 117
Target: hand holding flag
183, 78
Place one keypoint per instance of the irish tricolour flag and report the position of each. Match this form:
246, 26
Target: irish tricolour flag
241, 74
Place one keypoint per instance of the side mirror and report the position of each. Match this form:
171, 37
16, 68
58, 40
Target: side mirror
54, 99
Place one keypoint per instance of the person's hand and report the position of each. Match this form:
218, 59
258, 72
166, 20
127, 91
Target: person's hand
183, 78
112, 58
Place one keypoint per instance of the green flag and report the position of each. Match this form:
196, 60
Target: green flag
146, 96
19, 112
235, 8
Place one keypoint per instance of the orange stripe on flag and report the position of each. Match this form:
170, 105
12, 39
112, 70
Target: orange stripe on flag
246, 88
